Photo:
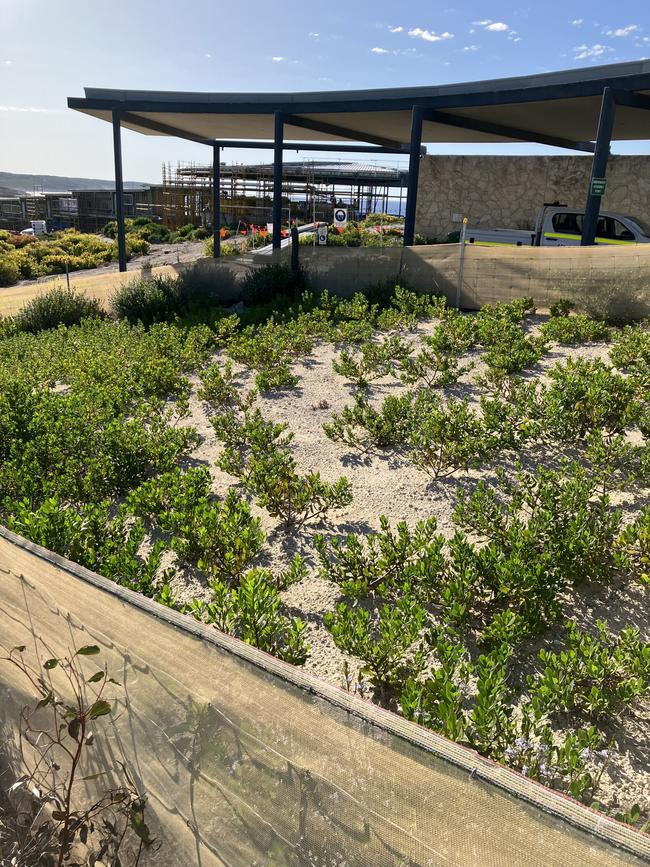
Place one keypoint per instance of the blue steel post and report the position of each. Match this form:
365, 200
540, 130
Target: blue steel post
598, 166
414, 174
216, 201
277, 180
119, 190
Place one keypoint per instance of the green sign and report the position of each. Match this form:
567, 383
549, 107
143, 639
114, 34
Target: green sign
598, 186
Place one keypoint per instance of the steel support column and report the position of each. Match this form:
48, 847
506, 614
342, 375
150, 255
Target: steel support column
119, 189
216, 201
277, 180
414, 174
598, 166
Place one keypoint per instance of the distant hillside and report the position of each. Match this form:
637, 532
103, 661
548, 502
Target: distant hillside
57, 184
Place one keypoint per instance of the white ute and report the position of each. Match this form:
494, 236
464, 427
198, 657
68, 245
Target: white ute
559, 226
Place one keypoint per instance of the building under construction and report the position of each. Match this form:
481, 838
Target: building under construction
310, 190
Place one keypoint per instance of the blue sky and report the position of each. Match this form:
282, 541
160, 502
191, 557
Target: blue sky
51, 50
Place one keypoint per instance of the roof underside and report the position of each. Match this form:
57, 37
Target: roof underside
562, 105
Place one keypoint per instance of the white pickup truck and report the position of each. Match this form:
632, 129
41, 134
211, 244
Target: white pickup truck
557, 226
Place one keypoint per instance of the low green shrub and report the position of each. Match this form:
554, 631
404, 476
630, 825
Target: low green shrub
221, 537
383, 563
270, 349
446, 437
149, 300
575, 329
386, 640
252, 612
57, 306
293, 498
593, 675
373, 361
266, 283
9, 270
633, 547
88, 535
363, 427
587, 395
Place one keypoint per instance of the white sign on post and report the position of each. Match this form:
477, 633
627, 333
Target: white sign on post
322, 235
340, 217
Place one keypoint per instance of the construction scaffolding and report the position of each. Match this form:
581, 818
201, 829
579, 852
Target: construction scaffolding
310, 189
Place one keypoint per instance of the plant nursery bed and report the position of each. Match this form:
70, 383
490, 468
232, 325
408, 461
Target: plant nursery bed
444, 513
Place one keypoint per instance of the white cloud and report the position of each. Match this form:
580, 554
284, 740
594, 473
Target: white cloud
429, 35
582, 52
398, 29
313, 35
577, 22
207, 55
622, 31
278, 59
494, 26
7, 62
470, 47
396, 51
25, 108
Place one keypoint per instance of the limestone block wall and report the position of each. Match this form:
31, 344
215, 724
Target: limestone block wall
506, 191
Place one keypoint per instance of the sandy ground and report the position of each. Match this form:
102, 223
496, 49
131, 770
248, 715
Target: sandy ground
388, 485
100, 283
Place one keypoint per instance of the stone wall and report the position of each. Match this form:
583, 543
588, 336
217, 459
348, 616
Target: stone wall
505, 191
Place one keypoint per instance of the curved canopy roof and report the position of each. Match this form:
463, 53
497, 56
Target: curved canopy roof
557, 108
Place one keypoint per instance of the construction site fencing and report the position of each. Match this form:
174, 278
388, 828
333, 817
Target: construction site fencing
248, 761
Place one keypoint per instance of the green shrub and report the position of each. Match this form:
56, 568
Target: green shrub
252, 612
575, 329
57, 306
143, 228
293, 498
587, 395
593, 675
544, 531
447, 437
220, 537
136, 246
266, 283
9, 270
148, 300
385, 640
384, 563
89, 536
160, 298
363, 427
374, 360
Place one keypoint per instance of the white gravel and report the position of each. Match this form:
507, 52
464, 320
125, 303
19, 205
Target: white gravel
388, 485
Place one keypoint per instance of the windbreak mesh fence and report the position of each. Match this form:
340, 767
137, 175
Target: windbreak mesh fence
248, 762
611, 281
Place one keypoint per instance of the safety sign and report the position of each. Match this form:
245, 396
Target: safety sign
340, 216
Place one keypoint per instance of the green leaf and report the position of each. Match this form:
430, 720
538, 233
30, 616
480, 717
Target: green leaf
97, 676
73, 727
141, 828
19, 647
50, 663
45, 700
88, 650
99, 708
